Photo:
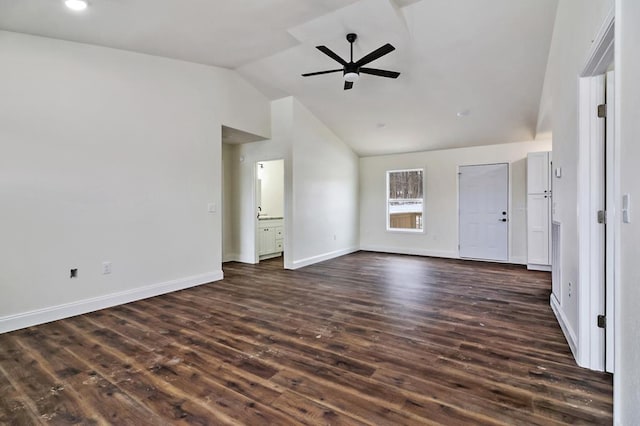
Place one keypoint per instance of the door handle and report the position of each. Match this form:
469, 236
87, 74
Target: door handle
502, 220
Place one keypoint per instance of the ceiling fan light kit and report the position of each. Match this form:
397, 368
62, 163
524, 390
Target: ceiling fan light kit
351, 77
351, 70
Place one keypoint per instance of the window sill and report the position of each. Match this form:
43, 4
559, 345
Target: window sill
406, 231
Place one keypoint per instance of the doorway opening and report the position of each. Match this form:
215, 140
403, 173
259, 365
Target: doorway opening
598, 192
269, 209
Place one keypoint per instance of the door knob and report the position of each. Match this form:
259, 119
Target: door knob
504, 213
502, 220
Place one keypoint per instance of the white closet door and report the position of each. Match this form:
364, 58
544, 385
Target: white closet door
538, 229
484, 215
537, 172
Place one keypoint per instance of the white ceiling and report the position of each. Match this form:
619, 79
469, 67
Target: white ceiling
487, 57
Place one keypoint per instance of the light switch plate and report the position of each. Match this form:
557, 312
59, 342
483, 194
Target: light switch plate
558, 172
211, 207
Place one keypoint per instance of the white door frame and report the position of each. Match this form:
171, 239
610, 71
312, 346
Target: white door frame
591, 295
613, 226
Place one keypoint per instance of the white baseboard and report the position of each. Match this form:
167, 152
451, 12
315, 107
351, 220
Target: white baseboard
411, 251
518, 260
322, 257
231, 257
54, 313
533, 267
234, 257
567, 330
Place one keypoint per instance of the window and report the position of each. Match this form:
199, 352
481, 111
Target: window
405, 202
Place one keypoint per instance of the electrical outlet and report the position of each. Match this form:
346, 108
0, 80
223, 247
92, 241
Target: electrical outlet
106, 268
334, 237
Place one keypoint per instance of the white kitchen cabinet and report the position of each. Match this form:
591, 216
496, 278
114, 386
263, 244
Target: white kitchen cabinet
539, 211
270, 238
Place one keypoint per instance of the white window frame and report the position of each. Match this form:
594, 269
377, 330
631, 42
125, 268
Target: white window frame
388, 217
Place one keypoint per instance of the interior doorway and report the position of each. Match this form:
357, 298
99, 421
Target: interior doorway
483, 212
269, 209
598, 195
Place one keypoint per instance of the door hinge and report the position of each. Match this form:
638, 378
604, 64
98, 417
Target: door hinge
602, 216
602, 321
602, 110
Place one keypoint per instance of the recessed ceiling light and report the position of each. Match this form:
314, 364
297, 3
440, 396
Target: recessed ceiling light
76, 5
464, 113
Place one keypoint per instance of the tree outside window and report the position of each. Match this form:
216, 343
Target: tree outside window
405, 200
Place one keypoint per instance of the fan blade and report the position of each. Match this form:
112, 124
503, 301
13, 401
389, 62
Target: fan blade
330, 53
309, 74
348, 85
380, 73
387, 48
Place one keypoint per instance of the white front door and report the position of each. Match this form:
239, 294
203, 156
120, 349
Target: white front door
483, 202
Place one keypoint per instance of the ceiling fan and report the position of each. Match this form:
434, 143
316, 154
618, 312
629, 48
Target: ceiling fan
351, 70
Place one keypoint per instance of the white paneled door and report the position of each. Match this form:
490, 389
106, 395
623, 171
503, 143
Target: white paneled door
483, 219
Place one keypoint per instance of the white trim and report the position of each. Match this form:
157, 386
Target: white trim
239, 258
601, 53
435, 253
411, 251
590, 232
231, 257
322, 257
518, 260
565, 325
534, 267
66, 310
613, 223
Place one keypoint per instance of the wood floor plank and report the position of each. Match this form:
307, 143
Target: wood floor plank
53, 401
15, 407
367, 338
89, 385
309, 412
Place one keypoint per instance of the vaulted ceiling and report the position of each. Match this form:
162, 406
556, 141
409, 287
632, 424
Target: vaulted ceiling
485, 59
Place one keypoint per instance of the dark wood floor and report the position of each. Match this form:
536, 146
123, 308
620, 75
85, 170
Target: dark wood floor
363, 339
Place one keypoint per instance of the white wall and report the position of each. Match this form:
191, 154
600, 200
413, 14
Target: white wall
577, 23
320, 187
109, 155
243, 161
627, 377
441, 198
272, 187
325, 191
